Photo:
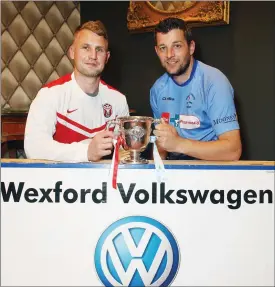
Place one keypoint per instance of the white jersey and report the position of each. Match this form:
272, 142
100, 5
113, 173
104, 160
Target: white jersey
62, 119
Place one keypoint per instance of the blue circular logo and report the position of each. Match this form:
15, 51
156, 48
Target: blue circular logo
136, 251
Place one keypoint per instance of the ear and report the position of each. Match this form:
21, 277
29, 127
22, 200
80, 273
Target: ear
192, 47
156, 49
107, 57
71, 52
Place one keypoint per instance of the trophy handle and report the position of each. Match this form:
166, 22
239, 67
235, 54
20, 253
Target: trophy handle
117, 132
153, 138
156, 121
110, 123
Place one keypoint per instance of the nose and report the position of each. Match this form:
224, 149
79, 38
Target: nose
170, 53
93, 53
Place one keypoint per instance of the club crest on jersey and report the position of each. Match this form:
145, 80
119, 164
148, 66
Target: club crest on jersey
107, 110
189, 101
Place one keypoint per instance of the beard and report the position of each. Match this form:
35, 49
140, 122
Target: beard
182, 69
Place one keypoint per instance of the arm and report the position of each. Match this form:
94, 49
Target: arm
222, 113
123, 108
227, 147
40, 128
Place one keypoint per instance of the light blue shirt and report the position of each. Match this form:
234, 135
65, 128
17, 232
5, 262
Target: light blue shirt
202, 108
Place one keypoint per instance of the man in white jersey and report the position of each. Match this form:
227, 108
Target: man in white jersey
194, 100
67, 119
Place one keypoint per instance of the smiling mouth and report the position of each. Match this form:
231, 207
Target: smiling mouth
171, 62
92, 64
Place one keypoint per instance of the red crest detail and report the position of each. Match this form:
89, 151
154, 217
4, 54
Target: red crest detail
107, 110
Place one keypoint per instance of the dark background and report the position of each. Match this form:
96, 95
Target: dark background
243, 50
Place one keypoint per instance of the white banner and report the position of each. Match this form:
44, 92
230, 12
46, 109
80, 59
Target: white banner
66, 226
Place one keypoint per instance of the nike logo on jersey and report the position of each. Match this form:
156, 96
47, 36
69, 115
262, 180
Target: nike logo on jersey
70, 111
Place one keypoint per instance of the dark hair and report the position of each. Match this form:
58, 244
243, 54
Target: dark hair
171, 23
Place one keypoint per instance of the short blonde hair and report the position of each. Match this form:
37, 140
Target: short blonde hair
96, 27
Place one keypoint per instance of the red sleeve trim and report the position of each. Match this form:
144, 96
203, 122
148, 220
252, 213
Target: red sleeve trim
59, 81
109, 87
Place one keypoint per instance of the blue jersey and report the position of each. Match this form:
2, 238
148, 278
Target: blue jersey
201, 109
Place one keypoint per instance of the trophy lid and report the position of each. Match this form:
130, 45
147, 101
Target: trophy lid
135, 119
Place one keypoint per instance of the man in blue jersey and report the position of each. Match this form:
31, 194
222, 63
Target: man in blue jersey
194, 100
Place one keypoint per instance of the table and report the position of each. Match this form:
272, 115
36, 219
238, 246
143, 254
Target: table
12, 129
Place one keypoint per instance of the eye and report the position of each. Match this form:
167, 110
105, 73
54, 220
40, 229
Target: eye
100, 49
177, 46
162, 48
85, 47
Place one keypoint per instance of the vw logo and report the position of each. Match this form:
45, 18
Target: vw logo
136, 251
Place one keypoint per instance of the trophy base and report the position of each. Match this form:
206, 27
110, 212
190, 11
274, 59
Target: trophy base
130, 160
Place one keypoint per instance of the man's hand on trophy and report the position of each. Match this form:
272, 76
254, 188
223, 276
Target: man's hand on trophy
101, 145
167, 136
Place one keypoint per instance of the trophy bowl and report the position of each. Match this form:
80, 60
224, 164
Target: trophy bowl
135, 131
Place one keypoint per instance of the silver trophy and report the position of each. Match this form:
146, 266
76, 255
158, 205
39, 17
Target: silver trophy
135, 132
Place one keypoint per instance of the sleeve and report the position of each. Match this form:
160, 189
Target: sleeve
153, 103
220, 106
123, 109
40, 128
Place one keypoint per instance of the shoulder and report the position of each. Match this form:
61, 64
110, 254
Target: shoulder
111, 92
211, 75
113, 99
160, 83
59, 82
57, 86
53, 90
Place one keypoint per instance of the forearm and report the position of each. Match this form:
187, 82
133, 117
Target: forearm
46, 148
39, 131
221, 149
